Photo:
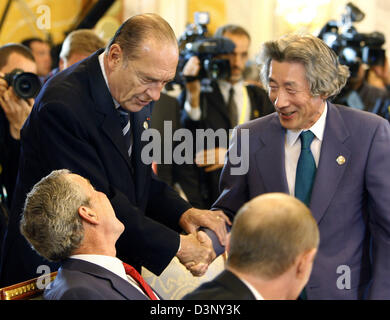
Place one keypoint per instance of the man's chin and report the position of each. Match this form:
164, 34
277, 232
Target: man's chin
133, 107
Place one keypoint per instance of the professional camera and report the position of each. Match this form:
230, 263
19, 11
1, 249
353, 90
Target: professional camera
195, 42
352, 47
26, 84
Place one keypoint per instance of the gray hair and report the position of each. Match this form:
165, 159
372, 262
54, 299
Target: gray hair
326, 76
50, 220
133, 33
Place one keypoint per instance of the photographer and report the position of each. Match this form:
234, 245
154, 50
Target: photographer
364, 56
368, 97
229, 103
13, 113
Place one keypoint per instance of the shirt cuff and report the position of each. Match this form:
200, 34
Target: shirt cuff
194, 113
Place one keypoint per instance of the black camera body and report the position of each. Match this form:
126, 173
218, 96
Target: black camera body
195, 42
352, 47
26, 84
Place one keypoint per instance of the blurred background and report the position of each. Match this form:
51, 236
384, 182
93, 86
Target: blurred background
264, 19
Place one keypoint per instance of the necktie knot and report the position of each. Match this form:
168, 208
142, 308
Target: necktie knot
124, 116
306, 139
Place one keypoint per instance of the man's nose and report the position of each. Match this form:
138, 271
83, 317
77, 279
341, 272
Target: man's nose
280, 99
155, 91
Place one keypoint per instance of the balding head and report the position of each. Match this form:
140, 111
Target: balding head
140, 29
269, 233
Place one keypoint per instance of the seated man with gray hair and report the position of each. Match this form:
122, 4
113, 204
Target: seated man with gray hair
273, 243
65, 219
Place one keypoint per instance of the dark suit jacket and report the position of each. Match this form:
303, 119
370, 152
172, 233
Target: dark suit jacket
81, 280
74, 125
9, 159
226, 286
215, 116
350, 201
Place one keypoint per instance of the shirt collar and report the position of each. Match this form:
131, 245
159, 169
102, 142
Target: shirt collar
112, 264
318, 129
256, 293
225, 85
101, 63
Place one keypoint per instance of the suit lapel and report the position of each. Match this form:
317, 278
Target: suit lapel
270, 157
216, 101
330, 172
140, 122
120, 285
104, 105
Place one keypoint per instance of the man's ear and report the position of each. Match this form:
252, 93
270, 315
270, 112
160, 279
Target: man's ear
227, 247
115, 56
88, 215
304, 262
61, 64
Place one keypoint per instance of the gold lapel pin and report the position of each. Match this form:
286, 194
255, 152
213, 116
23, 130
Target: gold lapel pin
340, 160
256, 113
146, 125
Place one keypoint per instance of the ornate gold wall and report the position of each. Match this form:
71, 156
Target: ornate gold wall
44, 18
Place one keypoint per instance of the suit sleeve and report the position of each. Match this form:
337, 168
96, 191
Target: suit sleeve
378, 186
65, 142
233, 186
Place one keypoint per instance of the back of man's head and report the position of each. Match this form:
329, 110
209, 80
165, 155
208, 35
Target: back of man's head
8, 49
50, 220
27, 42
269, 233
83, 41
135, 31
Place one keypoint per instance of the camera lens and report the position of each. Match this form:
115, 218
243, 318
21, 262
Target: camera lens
26, 85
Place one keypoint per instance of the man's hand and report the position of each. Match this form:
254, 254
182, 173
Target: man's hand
191, 69
194, 218
16, 109
211, 159
196, 253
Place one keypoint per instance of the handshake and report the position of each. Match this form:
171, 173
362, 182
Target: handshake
196, 248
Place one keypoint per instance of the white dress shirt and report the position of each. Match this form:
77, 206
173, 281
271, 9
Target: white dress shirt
292, 148
240, 98
256, 293
101, 63
112, 264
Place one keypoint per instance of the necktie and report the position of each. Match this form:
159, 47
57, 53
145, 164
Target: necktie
306, 172
232, 108
306, 169
137, 277
126, 130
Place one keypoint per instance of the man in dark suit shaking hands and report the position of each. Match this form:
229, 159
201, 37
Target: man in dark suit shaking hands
89, 119
273, 243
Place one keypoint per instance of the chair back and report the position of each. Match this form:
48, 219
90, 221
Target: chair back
26, 290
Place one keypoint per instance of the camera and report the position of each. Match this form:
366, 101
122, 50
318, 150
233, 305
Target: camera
196, 42
26, 84
352, 47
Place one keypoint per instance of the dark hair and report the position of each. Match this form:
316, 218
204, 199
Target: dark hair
27, 42
8, 49
233, 29
136, 30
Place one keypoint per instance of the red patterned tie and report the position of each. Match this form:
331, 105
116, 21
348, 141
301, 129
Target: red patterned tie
137, 277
